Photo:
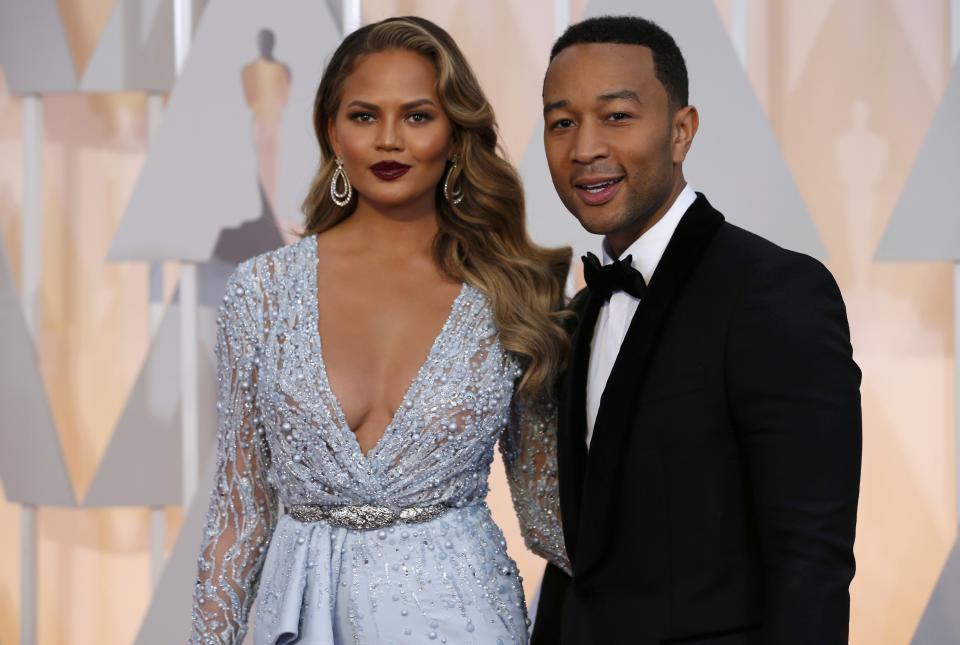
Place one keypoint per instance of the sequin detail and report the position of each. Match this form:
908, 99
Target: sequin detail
282, 438
364, 517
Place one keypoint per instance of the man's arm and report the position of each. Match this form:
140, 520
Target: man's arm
794, 393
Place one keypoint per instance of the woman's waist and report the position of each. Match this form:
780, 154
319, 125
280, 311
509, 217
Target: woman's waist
375, 515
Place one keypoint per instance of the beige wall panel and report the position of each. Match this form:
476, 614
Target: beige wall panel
93, 336
851, 102
83, 22
11, 173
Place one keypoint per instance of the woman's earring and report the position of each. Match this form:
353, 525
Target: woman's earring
455, 196
340, 197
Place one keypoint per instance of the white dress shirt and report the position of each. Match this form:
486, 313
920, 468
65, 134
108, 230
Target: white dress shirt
616, 314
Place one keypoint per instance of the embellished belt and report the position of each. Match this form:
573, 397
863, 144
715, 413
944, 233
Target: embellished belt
364, 517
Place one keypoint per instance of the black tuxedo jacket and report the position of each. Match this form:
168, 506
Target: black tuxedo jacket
717, 502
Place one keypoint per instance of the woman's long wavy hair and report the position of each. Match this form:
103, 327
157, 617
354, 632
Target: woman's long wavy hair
483, 239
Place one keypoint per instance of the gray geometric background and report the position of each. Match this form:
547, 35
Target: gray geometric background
32, 468
925, 226
135, 51
33, 48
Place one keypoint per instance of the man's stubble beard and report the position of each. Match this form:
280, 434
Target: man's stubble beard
635, 215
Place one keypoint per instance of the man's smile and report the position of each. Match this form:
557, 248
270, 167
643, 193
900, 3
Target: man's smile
595, 191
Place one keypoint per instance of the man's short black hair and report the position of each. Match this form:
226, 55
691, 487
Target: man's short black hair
668, 63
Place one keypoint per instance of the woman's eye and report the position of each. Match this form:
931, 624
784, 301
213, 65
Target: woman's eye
362, 117
419, 117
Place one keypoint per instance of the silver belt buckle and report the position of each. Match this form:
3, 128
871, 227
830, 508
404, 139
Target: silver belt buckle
364, 517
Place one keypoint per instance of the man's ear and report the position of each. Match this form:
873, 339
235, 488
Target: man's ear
685, 124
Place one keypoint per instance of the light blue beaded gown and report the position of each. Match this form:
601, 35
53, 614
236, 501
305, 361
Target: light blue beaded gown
283, 442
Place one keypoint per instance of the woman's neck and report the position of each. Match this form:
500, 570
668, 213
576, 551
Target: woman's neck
408, 229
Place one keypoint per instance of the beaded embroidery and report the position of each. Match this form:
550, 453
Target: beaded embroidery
282, 437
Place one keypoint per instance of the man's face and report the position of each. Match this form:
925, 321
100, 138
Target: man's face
613, 142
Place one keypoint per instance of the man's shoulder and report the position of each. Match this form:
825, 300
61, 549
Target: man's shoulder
734, 246
747, 263
752, 253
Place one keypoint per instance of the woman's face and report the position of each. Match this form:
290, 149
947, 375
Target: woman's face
391, 131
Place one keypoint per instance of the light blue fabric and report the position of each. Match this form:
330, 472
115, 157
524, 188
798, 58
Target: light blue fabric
448, 578
283, 438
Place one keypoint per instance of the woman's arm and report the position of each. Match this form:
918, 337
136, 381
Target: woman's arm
529, 449
243, 504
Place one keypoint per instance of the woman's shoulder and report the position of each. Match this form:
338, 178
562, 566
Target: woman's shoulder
264, 272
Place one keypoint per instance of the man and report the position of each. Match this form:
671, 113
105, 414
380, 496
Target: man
709, 439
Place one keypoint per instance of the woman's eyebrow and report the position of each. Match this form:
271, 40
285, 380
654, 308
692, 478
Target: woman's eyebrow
419, 102
409, 105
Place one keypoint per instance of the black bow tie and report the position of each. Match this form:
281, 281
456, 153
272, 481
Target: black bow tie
606, 280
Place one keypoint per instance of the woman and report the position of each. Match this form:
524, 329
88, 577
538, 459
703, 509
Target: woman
367, 371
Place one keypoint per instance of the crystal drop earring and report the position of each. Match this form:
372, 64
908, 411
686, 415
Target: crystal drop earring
340, 197
456, 195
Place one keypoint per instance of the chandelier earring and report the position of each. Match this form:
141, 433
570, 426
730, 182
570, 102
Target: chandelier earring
340, 197
454, 195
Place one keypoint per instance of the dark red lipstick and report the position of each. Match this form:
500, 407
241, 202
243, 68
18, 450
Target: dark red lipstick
389, 170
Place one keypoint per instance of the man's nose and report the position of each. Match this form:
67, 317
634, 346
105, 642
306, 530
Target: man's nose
589, 145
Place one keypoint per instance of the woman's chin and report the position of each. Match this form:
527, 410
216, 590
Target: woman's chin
399, 200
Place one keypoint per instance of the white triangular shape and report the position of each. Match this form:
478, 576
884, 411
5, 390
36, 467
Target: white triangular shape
200, 174
735, 159
168, 618
32, 467
33, 48
299, 155
135, 50
142, 464
925, 225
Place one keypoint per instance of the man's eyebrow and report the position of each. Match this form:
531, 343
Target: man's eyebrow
555, 105
630, 95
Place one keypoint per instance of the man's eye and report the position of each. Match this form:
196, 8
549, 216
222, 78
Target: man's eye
619, 116
562, 124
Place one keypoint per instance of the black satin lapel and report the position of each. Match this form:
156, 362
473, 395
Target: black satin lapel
572, 424
618, 403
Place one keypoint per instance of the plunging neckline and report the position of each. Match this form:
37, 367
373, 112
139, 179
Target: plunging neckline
342, 424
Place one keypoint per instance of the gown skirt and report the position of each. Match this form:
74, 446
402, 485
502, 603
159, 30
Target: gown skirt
447, 580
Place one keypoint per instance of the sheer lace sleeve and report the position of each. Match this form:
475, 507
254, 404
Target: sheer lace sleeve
529, 449
243, 504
